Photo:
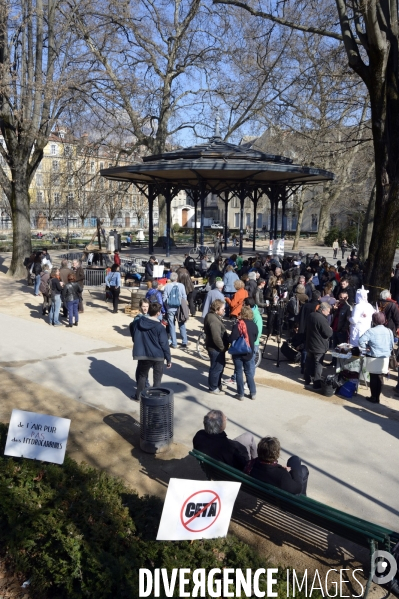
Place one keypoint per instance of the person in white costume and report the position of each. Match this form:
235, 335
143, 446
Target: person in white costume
360, 320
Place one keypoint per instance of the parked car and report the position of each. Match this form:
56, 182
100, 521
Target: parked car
216, 225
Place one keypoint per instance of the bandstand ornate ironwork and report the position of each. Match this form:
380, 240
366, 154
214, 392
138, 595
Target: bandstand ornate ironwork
220, 168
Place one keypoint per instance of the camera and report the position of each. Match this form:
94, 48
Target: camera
282, 291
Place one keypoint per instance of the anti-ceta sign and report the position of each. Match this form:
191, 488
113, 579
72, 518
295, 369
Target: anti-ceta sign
196, 509
37, 436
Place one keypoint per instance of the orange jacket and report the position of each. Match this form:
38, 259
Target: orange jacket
237, 302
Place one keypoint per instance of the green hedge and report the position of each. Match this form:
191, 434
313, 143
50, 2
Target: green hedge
76, 532
349, 233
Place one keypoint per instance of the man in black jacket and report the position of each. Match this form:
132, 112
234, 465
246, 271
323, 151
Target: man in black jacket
307, 309
391, 311
340, 324
149, 271
318, 333
150, 347
216, 343
213, 441
344, 286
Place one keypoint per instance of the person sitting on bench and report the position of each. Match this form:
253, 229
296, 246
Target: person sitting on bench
213, 441
292, 478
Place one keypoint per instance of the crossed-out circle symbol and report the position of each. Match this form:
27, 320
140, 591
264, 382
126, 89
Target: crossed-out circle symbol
207, 505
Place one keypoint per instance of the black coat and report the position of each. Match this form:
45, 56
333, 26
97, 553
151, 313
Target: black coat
349, 290
149, 271
150, 340
219, 447
306, 309
318, 332
251, 286
391, 312
344, 313
278, 476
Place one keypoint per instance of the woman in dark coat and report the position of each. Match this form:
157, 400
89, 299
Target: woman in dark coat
71, 295
36, 269
185, 279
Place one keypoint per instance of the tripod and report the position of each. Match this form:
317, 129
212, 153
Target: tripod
277, 311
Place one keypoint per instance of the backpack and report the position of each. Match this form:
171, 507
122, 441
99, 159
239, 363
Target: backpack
152, 295
174, 298
293, 306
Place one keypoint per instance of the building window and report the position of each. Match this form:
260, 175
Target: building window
39, 197
259, 220
248, 218
314, 222
68, 151
234, 202
39, 180
333, 220
237, 220
92, 167
53, 149
57, 199
70, 196
101, 165
55, 165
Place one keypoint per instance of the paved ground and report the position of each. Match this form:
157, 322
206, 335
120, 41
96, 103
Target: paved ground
85, 373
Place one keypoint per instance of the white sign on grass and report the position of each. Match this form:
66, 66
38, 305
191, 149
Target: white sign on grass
37, 436
195, 509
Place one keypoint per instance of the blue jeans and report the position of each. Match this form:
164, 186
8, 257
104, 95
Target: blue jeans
37, 285
218, 362
54, 314
247, 366
73, 311
171, 317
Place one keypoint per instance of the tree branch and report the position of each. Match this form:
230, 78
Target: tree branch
270, 17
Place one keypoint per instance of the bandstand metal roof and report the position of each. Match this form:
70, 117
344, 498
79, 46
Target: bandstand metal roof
217, 166
220, 168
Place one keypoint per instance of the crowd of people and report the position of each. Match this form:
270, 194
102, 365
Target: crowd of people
59, 287
316, 305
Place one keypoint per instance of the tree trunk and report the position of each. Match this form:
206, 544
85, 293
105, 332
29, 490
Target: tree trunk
161, 241
301, 209
385, 125
22, 243
367, 228
324, 222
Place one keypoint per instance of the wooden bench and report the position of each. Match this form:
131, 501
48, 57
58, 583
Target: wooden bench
349, 527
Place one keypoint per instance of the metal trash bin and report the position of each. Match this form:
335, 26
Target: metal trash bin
156, 419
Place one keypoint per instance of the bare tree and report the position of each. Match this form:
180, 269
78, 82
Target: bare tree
38, 69
370, 35
148, 59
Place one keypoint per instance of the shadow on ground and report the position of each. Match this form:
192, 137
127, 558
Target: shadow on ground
252, 516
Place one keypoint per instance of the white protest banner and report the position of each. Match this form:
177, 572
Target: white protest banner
280, 247
37, 436
196, 509
158, 271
